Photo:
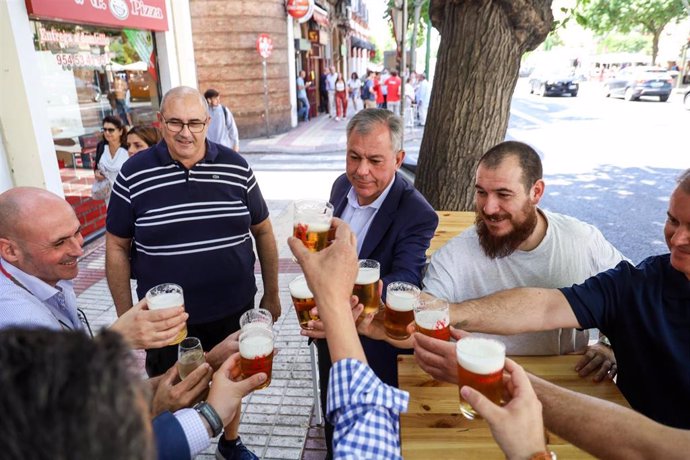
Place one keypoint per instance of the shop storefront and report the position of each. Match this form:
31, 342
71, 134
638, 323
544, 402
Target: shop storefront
95, 58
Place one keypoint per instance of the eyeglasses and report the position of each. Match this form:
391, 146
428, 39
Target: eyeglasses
109, 130
177, 125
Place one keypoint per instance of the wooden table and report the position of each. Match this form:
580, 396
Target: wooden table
433, 427
450, 224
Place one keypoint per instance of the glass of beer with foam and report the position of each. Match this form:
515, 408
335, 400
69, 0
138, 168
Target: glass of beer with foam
367, 286
432, 318
312, 223
256, 317
256, 353
303, 300
480, 366
190, 355
401, 298
167, 295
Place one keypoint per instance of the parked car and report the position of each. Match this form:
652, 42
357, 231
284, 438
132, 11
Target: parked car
632, 83
552, 83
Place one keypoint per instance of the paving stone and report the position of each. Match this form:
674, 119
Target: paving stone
282, 453
287, 441
253, 428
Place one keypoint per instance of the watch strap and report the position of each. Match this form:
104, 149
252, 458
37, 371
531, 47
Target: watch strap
211, 416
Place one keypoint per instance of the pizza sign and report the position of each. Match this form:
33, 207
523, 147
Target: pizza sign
264, 45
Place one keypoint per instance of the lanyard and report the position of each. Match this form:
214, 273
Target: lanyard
15, 281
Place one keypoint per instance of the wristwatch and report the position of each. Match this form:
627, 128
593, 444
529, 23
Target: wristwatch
604, 341
211, 416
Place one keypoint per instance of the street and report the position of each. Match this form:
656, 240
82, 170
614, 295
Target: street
608, 162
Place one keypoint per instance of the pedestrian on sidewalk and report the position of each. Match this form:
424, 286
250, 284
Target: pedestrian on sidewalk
354, 84
331, 78
205, 249
221, 127
423, 97
393, 84
368, 92
303, 111
340, 98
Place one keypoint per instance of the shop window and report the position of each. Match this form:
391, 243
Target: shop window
88, 73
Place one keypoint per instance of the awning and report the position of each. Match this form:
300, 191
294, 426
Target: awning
320, 16
359, 43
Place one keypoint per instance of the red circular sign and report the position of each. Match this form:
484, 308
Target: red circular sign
264, 45
298, 8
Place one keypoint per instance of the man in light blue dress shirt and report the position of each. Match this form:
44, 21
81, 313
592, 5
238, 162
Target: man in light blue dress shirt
40, 244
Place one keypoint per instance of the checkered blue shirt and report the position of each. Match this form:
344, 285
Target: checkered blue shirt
365, 412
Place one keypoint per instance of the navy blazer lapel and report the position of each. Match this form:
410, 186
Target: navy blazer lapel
341, 187
383, 219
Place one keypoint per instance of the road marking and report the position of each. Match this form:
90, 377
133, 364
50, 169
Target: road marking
527, 117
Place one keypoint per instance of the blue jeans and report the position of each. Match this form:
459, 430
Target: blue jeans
303, 111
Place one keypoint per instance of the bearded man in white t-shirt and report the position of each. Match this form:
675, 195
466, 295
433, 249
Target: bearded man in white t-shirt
515, 244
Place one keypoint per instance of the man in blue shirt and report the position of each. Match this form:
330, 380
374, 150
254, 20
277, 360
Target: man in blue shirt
222, 128
302, 86
643, 310
191, 207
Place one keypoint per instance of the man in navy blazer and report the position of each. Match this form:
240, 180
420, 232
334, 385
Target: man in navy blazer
393, 223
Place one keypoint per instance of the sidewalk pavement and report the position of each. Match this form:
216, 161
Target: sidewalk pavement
318, 135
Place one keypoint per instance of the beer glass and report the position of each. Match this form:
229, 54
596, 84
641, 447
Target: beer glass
312, 223
167, 295
432, 318
401, 299
256, 353
190, 355
367, 286
480, 366
303, 300
256, 317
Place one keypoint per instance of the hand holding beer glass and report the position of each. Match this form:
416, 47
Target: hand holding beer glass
480, 366
401, 299
167, 295
432, 317
190, 355
312, 223
303, 300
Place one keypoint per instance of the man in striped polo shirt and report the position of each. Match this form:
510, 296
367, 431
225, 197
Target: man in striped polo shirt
191, 207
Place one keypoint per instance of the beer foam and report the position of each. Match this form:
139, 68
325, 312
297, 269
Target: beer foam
432, 319
166, 300
316, 225
368, 275
480, 356
401, 300
256, 345
299, 288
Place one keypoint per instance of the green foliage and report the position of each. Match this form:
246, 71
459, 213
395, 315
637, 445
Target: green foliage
633, 42
553, 40
423, 17
652, 16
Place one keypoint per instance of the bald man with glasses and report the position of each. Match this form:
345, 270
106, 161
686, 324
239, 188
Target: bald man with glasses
191, 207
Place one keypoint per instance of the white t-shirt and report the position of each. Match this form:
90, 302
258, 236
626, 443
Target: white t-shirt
110, 166
570, 252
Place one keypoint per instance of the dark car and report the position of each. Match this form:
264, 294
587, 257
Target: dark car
634, 82
553, 83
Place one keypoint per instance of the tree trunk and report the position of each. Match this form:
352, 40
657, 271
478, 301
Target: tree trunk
655, 43
482, 42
